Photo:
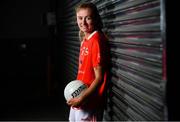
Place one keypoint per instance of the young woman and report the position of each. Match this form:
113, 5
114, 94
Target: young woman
93, 66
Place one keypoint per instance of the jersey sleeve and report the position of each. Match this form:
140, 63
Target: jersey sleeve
96, 53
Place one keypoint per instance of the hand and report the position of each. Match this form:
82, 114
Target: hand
74, 102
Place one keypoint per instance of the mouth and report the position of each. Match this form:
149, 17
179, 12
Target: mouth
84, 27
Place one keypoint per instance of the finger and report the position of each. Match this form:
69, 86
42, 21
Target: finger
68, 102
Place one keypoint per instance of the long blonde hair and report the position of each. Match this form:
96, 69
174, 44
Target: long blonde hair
81, 35
96, 17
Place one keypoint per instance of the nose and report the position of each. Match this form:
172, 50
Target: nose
84, 21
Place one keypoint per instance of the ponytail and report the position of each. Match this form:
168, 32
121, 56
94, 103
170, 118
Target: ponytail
81, 36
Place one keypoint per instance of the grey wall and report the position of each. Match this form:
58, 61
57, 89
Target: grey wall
138, 82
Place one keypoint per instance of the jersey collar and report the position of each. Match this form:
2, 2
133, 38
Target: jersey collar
91, 35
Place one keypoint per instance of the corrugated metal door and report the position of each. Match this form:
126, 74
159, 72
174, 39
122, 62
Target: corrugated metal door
134, 28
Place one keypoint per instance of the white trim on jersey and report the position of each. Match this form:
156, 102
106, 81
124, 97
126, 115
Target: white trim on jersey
91, 35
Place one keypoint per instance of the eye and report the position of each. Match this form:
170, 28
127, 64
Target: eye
80, 18
89, 18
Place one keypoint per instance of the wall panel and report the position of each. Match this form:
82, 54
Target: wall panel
137, 87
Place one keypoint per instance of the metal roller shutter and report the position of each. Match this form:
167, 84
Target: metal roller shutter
134, 28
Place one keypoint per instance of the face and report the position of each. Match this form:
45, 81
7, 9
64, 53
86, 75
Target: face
85, 21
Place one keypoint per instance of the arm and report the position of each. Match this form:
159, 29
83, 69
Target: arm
92, 88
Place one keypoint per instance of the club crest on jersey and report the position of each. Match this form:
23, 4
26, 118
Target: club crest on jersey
84, 51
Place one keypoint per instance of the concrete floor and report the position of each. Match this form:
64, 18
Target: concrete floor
34, 109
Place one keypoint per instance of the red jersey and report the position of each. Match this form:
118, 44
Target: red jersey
93, 53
